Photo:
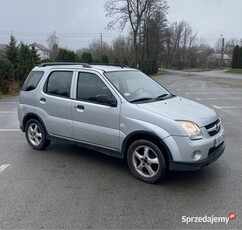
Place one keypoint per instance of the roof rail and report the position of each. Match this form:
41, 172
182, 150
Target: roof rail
110, 64
64, 63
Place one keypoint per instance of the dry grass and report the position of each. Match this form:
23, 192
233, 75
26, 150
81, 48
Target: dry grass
14, 90
195, 70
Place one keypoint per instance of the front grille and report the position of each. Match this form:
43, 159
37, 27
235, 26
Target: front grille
214, 127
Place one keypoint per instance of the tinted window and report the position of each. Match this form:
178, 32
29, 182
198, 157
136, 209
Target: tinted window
32, 80
59, 83
90, 86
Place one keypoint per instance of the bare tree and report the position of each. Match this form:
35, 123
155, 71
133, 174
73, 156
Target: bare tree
131, 11
53, 42
180, 45
153, 30
123, 49
96, 49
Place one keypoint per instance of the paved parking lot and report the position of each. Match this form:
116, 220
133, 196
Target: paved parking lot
67, 187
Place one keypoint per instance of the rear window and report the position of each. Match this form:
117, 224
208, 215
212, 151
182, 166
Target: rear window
59, 83
32, 80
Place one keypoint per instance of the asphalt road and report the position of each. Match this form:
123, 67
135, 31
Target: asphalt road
67, 187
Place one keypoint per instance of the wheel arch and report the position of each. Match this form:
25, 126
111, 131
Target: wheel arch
29, 116
138, 135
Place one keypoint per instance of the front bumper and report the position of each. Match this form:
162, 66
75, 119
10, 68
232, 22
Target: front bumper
214, 154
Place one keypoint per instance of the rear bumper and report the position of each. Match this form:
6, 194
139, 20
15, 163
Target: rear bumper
193, 166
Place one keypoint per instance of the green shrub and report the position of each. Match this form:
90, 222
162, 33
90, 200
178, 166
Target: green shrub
6, 75
148, 67
86, 58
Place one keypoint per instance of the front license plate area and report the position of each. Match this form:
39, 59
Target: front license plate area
219, 140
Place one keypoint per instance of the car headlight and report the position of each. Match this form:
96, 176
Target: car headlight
193, 131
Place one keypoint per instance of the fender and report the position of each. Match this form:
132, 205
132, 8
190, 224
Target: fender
144, 135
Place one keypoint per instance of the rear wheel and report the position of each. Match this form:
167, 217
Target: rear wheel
146, 161
35, 135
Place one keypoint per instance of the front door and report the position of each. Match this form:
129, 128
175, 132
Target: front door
95, 122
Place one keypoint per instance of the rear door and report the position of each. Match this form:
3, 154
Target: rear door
94, 122
55, 103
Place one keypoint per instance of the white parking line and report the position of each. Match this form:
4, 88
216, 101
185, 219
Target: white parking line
211, 93
9, 130
8, 112
3, 167
227, 107
199, 93
220, 98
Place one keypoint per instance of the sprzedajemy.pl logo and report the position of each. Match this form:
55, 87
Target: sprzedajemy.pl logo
209, 219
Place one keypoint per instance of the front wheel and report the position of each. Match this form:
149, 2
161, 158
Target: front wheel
35, 135
146, 161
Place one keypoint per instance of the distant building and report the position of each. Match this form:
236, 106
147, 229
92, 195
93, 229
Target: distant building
42, 51
217, 57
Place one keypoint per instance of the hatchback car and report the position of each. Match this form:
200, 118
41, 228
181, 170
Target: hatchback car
122, 112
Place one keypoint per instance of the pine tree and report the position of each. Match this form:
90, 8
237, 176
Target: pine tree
65, 55
240, 58
116, 60
12, 53
6, 74
35, 55
104, 59
125, 61
235, 58
25, 62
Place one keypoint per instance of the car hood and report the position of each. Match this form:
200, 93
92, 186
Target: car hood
178, 108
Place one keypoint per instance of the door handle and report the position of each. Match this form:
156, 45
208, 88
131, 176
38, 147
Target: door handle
79, 108
42, 100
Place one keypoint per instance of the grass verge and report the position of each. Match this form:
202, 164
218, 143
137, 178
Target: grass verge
158, 73
234, 71
8, 95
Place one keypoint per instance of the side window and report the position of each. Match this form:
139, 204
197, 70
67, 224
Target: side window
32, 80
59, 83
90, 86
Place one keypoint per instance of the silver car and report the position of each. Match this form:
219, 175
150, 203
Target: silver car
122, 112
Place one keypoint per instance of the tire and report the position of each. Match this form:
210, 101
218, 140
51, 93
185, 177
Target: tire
36, 135
146, 161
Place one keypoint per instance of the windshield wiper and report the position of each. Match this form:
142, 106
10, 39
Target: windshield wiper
165, 96
142, 99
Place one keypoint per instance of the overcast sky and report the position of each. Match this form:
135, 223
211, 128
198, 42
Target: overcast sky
78, 22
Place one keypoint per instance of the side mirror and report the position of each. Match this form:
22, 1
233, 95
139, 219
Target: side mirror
107, 100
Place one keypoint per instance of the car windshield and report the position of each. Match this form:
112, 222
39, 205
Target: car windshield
136, 86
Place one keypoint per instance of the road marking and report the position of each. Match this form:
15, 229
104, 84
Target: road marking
3, 167
227, 107
221, 98
212, 93
9, 130
8, 112
199, 93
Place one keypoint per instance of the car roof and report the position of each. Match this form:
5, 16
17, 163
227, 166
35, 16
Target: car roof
70, 65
